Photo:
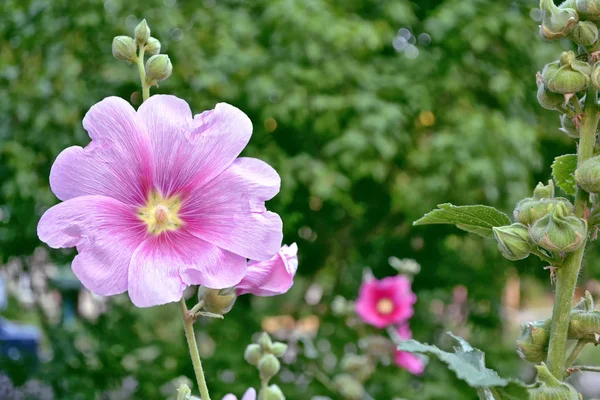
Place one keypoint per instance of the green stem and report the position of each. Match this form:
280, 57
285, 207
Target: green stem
566, 275
188, 325
553, 262
142, 70
575, 352
587, 368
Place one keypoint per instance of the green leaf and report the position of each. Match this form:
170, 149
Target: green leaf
469, 365
563, 169
475, 219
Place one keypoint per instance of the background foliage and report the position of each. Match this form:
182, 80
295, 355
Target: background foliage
367, 132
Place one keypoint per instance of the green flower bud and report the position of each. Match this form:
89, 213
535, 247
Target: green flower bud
585, 33
217, 301
568, 126
559, 231
348, 387
588, 9
587, 175
142, 33
541, 204
183, 392
264, 340
123, 48
532, 346
278, 349
513, 241
152, 46
584, 325
556, 22
273, 392
542, 191
549, 71
158, 68
549, 100
573, 75
253, 353
268, 366
360, 367
595, 76
547, 387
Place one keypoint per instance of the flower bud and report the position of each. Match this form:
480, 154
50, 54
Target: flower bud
268, 366
542, 191
532, 346
348, 387
587, 175
123, 48
152, 46
559, 231
585, 33
556, 22
549, 71
595, 76
588, 9
568, 126
264, 340
549, 100
584, 325
547, 387
183, 392
217, 301
513, 241
158, 68
142, 33
273, 392
573, 75
253, 353
278, 349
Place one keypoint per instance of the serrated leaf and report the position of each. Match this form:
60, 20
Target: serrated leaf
475, 219
563, 169
468, 364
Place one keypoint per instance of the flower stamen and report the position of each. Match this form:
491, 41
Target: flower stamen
385, 306
161, 214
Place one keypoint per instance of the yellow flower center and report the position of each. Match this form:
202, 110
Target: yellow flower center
385, 306
161, 214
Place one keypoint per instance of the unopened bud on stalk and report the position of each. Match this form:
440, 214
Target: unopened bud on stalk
264, 340
573, 75
549, 100
532, 346
568, 126
588, 9
513, 241
158, 68
217, 301
547, 387
253, 353
585, 33
587, 175
152, 46
278, 349
541, 204
556, 22
559, 231
348, 387
123, 48
268, 366
142, 33
273, 392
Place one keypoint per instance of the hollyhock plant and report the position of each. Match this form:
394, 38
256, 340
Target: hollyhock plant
385, 302
272, 277
159, 200
406, 360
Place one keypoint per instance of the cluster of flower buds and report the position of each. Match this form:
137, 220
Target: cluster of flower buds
544, 221
547, 387
264, 354
158, 66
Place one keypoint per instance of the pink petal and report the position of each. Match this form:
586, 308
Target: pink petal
230, 212
250, 394
191, 152
230, 397
409, 362
272, 277
117, 163
106, 233
162, 267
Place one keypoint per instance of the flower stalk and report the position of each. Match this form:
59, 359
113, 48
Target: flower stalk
142, 70
566, 275
188, 325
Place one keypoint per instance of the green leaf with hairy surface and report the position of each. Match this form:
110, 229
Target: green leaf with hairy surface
563, 169
469, 365
475, 219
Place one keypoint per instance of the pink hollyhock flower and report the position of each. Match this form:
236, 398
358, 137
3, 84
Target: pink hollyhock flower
249, 395
159, 200
272, 277
385, 302
406, 360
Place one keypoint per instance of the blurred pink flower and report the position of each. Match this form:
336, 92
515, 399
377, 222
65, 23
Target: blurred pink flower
406, 360
249, 395
271, 277
385, 302
159, 200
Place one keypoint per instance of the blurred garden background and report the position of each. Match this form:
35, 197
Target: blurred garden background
373, 112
